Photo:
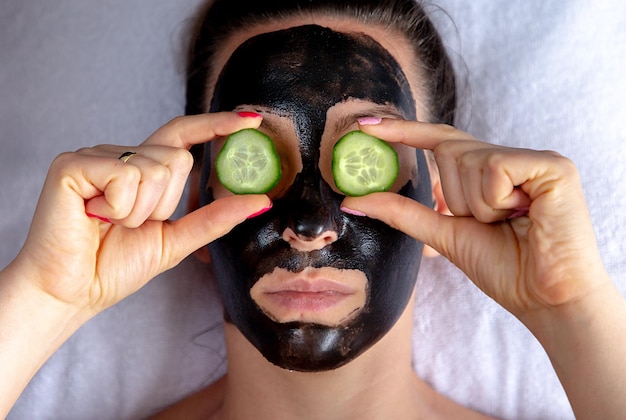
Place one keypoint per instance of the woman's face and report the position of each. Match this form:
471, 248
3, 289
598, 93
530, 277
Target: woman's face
310, 286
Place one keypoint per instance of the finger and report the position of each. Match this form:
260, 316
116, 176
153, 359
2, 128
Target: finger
406, 215
164, 174
153, 183
184, 132
453, 237
92, 184
197, 229
451, 182
500, 191
416, 134
174, 165
446, 141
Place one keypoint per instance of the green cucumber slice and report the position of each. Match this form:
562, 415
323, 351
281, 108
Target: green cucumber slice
363, 164
248, 163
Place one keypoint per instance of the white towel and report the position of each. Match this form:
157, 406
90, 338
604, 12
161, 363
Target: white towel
75, 73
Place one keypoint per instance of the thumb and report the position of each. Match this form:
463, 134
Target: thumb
202, 226
410, 217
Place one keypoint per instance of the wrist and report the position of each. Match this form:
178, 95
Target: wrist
33, 325
574, 320
586, 342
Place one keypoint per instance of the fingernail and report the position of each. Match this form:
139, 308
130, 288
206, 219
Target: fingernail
95, 216
369, 120
353, 212
249, 115
522, 211
260, 212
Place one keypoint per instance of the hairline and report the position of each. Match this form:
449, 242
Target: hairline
375, 30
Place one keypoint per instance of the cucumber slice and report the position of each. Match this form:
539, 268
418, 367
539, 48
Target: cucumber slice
363, 164
248, 163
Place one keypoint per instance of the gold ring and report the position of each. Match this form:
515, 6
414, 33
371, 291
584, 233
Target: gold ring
125, 157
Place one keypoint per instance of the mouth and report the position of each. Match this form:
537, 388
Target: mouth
327, 296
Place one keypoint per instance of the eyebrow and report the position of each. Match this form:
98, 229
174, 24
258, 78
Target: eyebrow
269, 125
381, 111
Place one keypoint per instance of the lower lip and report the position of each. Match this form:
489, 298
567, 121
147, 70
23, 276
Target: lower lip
306, 301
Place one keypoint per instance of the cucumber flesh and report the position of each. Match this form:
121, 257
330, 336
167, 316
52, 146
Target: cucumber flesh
248, 163
363, 164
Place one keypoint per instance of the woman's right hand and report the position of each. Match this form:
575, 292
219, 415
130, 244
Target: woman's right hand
101, 228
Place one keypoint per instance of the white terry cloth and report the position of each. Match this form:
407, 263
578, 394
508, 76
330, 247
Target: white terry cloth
73, 73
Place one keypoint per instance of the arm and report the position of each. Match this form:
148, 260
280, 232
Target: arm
586, 342
100, 232
551, 275
33, 325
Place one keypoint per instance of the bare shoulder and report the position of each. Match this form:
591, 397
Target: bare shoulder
201, 405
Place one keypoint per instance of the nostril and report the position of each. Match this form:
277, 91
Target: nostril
329, 237
305, 243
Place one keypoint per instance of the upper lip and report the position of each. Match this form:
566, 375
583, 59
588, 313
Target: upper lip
308, 286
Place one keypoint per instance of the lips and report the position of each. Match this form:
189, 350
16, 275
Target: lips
306, 286
327, 296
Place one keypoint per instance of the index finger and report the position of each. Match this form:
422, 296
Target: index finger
183, 132
413, 133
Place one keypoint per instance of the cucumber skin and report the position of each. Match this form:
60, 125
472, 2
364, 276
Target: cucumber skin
267, 144
342, 181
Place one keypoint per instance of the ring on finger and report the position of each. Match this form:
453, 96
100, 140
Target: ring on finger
125, 157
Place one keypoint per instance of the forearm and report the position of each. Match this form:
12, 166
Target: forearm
586, 342
32, 327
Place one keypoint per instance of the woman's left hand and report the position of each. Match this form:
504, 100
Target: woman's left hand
521, 231
520, 227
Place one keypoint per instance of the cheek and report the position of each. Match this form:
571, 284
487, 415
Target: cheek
408, 167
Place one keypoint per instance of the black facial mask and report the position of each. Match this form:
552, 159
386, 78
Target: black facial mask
302, 72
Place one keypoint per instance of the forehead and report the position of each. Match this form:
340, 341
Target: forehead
311, 68
391, 40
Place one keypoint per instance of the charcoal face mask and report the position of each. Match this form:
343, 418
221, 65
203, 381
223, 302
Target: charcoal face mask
302, 72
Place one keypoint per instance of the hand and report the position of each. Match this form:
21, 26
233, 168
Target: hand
545, 258
94, 262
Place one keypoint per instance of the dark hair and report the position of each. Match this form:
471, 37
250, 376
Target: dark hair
222, 18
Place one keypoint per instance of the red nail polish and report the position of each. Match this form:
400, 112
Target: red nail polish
102, 219
260, 212
249, 115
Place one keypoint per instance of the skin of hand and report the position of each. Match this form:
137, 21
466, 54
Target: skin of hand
100, 232
94, 262
545, 258
542, 265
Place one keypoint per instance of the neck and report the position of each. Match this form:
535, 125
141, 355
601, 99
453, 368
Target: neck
378, 384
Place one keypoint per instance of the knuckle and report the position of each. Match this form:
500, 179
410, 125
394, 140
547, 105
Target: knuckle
85, 150
173, 127
157, 173
63, 159
561, 165
64, 165
444, 152
175, 123
182, 159
567, 166
446, 129
471, 160
130, 173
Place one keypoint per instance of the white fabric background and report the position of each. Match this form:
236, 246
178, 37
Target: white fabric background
73, 73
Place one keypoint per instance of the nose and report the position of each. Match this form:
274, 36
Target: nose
306, 243
314, 218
